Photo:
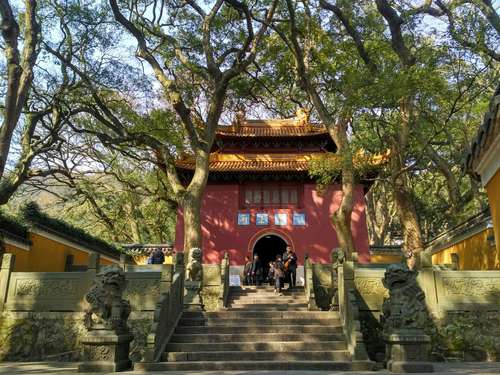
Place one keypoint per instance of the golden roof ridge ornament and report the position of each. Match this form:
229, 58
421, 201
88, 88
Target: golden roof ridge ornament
239, 119
302, 118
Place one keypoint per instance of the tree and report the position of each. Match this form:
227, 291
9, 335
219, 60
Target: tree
194, 55
19, 66
120, 200
299, 37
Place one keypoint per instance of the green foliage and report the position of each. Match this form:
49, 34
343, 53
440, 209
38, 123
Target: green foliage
12, 224
32, 214
456, 334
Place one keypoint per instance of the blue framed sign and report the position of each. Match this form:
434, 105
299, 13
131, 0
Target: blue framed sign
280, 219
299, 219
243, 219
261, 219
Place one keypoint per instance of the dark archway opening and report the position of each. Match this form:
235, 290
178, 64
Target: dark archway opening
267, 248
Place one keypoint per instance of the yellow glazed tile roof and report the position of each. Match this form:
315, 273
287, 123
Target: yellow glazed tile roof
271, 128
298, 162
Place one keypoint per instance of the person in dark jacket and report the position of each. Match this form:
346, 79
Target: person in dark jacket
270, 274
290, 261
157, 256
256, 270
247, 271
279, 274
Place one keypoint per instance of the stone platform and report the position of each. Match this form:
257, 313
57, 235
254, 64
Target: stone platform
60, 368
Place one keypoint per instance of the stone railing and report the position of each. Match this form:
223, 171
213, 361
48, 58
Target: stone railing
212, 288
65, 291
167, 314
349, 312
309, 284
224, 279
368, 283
467, 290
324, 284
444, 290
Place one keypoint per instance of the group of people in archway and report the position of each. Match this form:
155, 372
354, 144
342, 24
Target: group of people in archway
278, 272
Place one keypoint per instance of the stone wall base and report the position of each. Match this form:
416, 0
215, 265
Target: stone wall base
409, 367
105, 351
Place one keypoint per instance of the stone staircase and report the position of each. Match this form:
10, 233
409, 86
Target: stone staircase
259, 331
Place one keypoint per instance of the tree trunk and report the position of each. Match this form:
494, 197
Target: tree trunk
342, 217
412, 235
191, 203
379, 214
191, 206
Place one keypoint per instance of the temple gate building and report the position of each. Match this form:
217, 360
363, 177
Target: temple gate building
260, 197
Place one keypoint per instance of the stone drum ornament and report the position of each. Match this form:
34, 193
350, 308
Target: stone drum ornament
403, 321
106, 345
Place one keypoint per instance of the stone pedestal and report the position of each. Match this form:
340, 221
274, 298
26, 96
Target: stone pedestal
192, 298
106, 351
408, 352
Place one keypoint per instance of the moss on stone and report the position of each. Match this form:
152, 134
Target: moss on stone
210, 297
36, 336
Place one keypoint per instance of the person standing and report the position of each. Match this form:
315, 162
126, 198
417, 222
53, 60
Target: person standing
256, 270
290, 261
279, 274
169, 257
270, 274
247, 271
157, 256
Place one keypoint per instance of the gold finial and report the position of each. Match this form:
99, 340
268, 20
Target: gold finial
239, 118
302, 117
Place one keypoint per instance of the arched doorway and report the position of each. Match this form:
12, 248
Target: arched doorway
267, 247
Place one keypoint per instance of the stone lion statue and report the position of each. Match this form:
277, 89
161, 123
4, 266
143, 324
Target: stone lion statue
106, 307
194, 267
405, 308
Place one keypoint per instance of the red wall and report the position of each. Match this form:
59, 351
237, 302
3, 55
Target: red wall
317, 238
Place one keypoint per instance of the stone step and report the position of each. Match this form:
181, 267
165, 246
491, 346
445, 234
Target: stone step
258, 329
265, 291
268, 308
236, 322
263, 287
283, 336
253, 346
251, 314
254, 366
271, 300
332, 355
269, 292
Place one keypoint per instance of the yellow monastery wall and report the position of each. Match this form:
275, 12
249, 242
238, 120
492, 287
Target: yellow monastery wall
493, 190
143, 259
47, 255
22, 257
474, 253
385, 258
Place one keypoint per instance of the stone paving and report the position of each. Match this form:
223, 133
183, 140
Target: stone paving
451, 368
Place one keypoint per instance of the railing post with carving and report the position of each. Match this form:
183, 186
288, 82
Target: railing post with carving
427, 282
341, 292
224, 275
167, 312
8, 261
334, 302
167, 273
349, 312
309, 285
180, 268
